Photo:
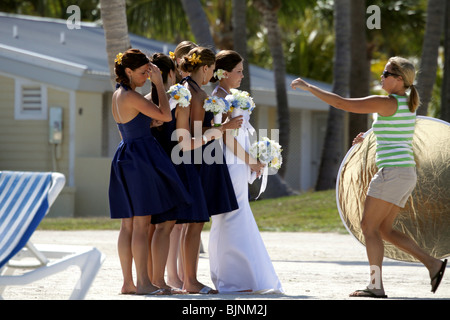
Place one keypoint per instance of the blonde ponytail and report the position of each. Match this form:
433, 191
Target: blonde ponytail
406, 70
414, 99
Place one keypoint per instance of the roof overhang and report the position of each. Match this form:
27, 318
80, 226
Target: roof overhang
51, 70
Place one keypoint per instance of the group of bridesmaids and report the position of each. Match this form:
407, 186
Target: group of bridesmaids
163, 204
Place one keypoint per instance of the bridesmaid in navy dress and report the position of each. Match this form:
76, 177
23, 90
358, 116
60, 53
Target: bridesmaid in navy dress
197, 212
215, 179
143, 180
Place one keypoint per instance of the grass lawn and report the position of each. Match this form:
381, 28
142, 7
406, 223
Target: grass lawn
308, 212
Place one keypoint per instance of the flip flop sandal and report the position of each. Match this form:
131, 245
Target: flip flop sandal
205, 290
366, 293
438, 277
160, 292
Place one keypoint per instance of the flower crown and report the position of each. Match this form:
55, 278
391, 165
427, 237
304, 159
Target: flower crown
194, 59
118, 59
172, 55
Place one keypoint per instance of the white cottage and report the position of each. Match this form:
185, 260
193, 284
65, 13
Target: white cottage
55, 97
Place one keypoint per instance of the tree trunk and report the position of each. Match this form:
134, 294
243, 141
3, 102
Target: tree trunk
116, 31
198, 23
431, 42
360, 67
445, 90
269, 9
332, 153
239, 21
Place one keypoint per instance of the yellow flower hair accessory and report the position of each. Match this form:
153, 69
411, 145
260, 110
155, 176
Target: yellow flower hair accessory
195, 59
172, 55
119, 58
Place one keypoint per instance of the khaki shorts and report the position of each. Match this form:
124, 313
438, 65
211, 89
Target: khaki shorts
393, 184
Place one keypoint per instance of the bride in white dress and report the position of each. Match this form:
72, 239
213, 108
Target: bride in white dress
239, 261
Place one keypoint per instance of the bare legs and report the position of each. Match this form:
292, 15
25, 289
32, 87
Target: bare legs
376, 225
125, 256
191, 252
174, 278
133, 244
160, 249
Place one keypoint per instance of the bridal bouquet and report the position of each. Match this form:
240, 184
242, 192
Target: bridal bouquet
218, 106
179, 95
240, 101
267, 151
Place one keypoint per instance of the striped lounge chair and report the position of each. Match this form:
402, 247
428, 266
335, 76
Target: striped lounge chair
25, 199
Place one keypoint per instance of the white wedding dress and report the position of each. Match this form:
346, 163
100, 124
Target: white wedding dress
239, 260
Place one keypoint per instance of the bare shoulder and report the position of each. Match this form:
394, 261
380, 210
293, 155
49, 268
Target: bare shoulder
198, 98
388, 105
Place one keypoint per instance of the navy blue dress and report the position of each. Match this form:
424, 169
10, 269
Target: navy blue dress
143, 179
215, 178
197, 211
214, 175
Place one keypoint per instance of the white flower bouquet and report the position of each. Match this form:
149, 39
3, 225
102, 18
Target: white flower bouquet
268, 152
218, 106
179, 95
240, 101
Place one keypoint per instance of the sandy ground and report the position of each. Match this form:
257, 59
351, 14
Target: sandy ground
311, 266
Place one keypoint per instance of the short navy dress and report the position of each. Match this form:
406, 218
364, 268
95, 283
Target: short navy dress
143, 179
197, 211
214, 175
216, 180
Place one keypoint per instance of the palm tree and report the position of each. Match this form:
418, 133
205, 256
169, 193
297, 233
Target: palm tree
430, 50
198, 22
445, 90
239, 23
159, 20
268, 10
332, 153
360, 66
116, 30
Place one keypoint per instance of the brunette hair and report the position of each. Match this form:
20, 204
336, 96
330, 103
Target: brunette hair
165, 64
226, 60
205, 57
133, 59
183, 48
406, 70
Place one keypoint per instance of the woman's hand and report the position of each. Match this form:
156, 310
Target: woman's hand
154, 74
233, 123
299, 83
257, 167
156, 123
359, 138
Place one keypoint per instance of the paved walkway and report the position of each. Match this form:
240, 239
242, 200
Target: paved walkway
311, 266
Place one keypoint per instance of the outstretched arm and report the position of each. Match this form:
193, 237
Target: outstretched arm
384, 105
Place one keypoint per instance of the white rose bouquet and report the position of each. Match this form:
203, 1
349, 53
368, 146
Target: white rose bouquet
218, 106
179, 95
240, 101
268, 152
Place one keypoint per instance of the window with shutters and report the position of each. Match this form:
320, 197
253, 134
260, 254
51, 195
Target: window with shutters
30, 100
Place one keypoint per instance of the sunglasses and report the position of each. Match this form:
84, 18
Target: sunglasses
387, 74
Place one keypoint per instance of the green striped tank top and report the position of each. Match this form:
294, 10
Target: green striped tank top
394, 136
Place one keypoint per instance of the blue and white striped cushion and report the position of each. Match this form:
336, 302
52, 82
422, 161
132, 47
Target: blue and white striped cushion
23, 204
